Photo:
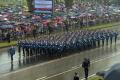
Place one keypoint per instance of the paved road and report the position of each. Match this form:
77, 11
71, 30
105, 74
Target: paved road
98, 65
6, 66
54, 67
63, 66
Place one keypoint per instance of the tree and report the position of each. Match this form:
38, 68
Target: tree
68, 3
115, 2
106, 2
30, 5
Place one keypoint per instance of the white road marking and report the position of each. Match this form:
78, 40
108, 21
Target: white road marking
76, 67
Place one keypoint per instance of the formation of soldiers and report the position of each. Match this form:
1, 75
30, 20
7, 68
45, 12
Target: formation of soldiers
59, 44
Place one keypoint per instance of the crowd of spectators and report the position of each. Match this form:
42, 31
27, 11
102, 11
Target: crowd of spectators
19, 23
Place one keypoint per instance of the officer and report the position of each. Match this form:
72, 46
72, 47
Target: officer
84, 43
89, 41
39, 48
59, 48
86, 65
50, 49
106, 37
98, 39
111, 36
93, 41
11, 52
19, 46
115, 35
79, 44
102, 38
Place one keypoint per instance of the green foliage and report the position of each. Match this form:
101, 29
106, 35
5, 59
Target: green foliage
69, 3
116, 2
29, 4
6, 44
12, 2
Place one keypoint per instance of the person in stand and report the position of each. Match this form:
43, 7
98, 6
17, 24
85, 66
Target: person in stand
34, 33
2, 35
66, 26
86, 65
49, 28
8, 37
76, 77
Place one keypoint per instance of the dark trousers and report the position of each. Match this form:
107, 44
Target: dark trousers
12, 58
115, 39
86, 70
94, 43
19, 49
111, 40
24, 52
102, 42
106, 41
98, 43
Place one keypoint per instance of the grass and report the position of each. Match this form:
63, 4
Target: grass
104, 26
6, 44
96, 78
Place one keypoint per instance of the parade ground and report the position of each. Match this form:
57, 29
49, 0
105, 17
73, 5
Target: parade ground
62, 68
59, 39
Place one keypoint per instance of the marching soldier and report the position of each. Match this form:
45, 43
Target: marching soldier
116, 35
111, 37
107, 38
66, 43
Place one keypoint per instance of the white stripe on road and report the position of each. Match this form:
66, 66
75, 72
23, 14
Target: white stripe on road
76, 67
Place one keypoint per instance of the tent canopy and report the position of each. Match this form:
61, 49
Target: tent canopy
113, 73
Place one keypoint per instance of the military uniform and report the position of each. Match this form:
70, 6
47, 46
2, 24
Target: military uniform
70, 42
